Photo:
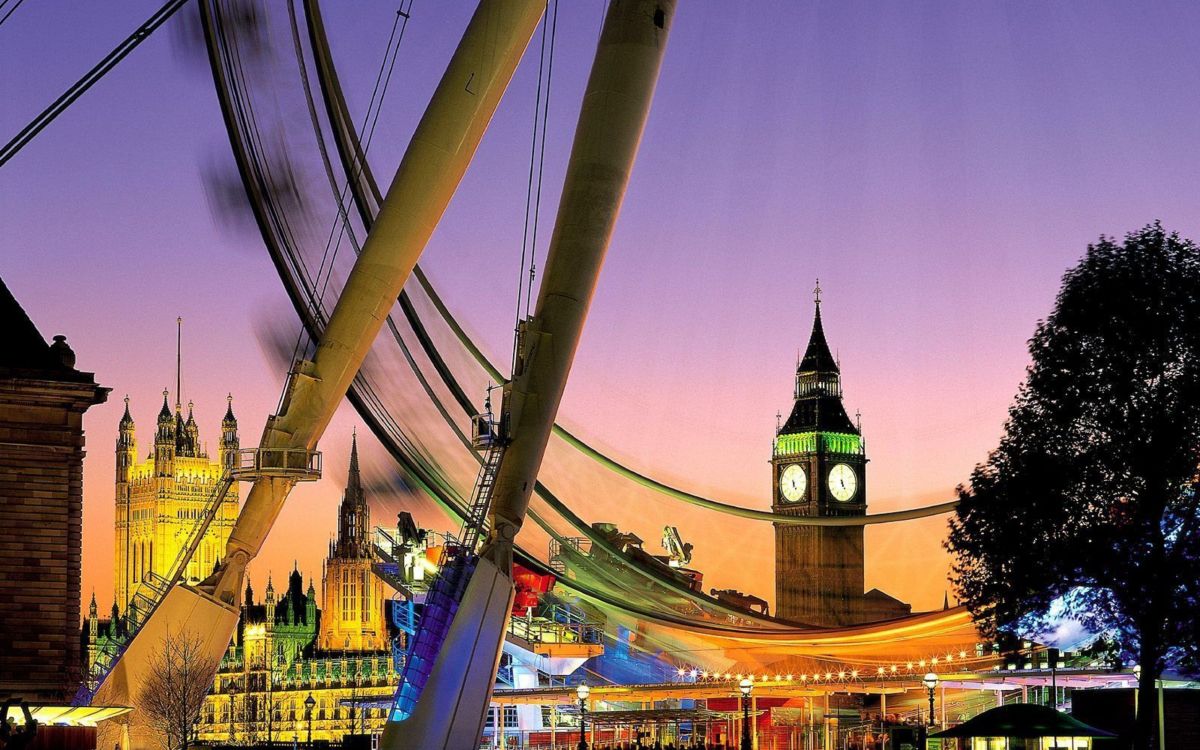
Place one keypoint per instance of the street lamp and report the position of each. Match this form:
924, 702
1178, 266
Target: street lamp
745, 686
582, 691
930, 682
308, 707
232, 692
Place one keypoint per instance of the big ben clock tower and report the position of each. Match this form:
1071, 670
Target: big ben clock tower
818, 468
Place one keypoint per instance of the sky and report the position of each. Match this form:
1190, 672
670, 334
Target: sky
937, 165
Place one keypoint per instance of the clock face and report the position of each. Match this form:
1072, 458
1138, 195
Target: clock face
843, 482
792, 483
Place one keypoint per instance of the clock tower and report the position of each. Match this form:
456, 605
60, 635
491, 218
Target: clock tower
818, 468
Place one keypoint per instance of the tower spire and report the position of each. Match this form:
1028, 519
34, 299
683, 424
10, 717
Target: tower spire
178, 362
354, 517
354, 480
817, 296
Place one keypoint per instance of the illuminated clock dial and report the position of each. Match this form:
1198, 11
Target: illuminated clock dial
792, 483
843, 482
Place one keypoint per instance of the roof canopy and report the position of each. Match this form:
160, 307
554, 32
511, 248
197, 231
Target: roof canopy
1023, 720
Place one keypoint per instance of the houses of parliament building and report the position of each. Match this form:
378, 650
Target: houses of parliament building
288, 646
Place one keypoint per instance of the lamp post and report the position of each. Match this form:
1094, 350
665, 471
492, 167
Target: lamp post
582, 691
930, 682
745, 686
308, 707
232, 692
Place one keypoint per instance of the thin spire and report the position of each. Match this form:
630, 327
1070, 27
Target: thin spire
165, 412
229, 408
126, 419
178, 360
354, 473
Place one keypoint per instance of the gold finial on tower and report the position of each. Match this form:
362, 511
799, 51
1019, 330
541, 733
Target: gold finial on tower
817, 293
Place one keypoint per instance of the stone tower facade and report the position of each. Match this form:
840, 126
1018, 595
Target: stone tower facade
42, 402
160, 499
818, 467
353, 616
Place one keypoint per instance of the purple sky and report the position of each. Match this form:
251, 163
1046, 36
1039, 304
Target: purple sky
937, 165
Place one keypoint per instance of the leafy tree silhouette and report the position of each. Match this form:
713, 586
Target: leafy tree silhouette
1089, 505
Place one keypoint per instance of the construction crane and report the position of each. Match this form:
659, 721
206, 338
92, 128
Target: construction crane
433, 165
455, 664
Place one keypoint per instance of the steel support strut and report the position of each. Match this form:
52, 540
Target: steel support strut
615, 107
436, 158
452, 708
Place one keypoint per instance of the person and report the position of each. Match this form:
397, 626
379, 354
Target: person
17, 739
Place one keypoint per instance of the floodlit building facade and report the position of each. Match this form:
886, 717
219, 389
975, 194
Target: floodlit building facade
160, 497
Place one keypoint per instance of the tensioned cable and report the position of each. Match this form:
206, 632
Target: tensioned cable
366, 400
10, 10
537, 205
367, 195
59, 105
543, 492
390, 432
318, 305
537, 105
341, 224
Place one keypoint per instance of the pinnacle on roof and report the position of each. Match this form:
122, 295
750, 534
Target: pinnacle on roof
229, 410
126, 419
190, 420
354, 480
818, 394
165, 412
817, 357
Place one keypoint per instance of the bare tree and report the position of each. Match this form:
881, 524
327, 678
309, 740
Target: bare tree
180, 675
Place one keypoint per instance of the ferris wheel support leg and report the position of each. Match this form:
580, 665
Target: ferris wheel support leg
189, 615
448, 715
616, 104
438, 155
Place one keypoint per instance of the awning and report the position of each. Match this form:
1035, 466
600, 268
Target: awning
1023, 720
74, 716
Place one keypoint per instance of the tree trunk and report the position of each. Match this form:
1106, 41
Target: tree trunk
1145, 725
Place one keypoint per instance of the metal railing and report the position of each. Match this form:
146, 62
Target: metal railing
294, 463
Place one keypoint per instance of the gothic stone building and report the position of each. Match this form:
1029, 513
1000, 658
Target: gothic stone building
160, 498
286, 647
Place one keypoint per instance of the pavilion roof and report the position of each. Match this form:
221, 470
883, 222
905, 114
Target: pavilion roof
1024, 720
